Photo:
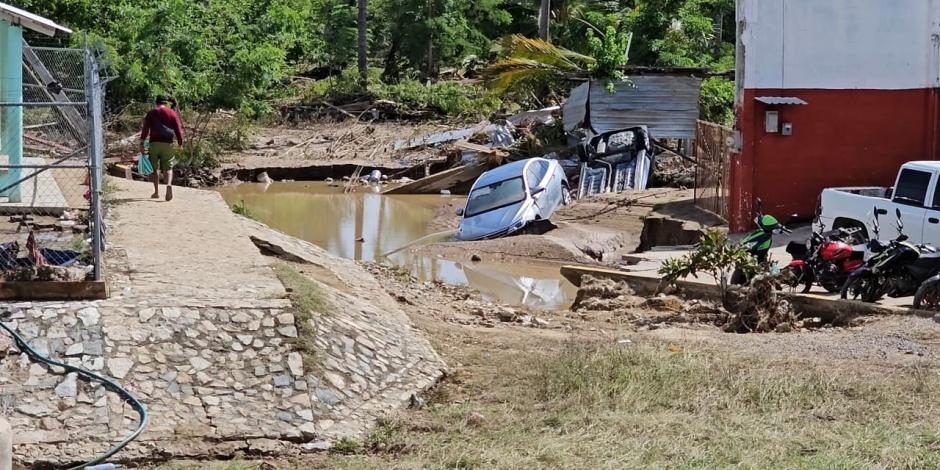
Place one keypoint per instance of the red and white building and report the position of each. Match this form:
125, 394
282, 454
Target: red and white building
830, 93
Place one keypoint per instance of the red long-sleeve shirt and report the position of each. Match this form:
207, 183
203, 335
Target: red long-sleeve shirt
162, 124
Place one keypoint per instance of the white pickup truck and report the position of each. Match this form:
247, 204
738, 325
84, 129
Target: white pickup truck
916, 193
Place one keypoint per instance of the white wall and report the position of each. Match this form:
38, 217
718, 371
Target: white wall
840, 44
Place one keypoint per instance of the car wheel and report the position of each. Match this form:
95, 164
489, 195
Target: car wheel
565, 195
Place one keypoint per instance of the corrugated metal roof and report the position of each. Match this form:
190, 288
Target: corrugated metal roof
573, 112
780, 100
31, 21
667, 105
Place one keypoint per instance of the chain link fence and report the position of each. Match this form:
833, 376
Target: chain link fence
51, 149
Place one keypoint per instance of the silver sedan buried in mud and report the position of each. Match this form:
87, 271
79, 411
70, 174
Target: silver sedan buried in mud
509, 198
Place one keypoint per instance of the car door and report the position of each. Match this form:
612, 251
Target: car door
932, 218
554, 185
535, 176
910, 196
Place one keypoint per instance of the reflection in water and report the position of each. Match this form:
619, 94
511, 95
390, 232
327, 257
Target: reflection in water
315, 212
323, 215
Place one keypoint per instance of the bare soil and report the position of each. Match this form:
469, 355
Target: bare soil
596, 230
526, 393
332, 143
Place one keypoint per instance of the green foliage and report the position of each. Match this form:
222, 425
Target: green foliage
609, 52
210, 137
447, 97
240, 207
717, 102
346, 445
525, 63
239, 55
714, 255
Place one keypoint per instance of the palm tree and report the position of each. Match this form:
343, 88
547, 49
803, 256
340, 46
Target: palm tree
545, 13
363, 36
522, 59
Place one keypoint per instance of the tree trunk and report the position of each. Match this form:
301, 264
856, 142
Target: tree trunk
363, 36
390, 74
545, 13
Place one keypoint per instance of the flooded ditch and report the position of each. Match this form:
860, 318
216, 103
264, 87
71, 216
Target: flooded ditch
368, 226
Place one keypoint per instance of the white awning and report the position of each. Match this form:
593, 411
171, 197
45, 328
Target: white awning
777, 100
31, 21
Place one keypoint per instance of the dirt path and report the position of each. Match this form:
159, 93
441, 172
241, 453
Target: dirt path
181, 248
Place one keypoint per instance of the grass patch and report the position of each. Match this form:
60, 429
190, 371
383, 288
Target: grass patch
309, 303
346, 445
240, 207
642, 406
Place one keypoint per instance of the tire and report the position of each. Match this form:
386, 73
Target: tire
737, 278
565, 195
831, 286
863, 287
850, 224
928, 296
797, 278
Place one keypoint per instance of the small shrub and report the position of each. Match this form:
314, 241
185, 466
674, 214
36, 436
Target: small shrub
240, 207
346, 445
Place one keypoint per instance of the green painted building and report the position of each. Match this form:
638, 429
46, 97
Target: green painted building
13, 21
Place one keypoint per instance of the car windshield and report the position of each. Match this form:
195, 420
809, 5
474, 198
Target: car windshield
494, 196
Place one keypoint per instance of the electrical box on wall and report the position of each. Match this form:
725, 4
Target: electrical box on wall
771, 122
787, 128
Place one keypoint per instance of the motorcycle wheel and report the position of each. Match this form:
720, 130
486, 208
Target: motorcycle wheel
737, 278
795, 277
927, 296
864, 288
831, 285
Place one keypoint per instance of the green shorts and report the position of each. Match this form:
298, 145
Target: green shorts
162, 156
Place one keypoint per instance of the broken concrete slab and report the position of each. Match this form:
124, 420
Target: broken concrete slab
456, 180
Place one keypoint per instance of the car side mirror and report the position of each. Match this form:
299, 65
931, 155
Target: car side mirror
459, 212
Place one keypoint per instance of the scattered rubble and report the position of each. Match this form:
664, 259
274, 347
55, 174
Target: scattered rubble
747, 311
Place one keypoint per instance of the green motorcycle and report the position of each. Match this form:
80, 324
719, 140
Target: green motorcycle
759, 241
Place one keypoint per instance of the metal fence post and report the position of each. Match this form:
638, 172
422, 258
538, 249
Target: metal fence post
95, 151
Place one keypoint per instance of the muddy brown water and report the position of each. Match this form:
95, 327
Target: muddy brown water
324, 215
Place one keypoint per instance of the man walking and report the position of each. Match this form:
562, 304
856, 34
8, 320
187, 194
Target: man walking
161, 126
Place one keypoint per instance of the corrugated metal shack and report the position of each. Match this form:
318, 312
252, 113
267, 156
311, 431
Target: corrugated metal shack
667, 105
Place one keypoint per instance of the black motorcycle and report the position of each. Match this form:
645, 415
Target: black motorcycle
896, 269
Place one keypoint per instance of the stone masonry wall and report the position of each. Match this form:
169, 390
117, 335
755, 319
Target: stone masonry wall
217, 375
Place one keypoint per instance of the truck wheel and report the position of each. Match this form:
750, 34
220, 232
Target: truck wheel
928, 296
862, 235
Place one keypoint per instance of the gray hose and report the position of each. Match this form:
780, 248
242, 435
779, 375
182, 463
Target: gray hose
108, 383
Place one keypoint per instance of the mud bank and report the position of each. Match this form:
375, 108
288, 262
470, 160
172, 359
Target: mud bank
569, 243
322, 171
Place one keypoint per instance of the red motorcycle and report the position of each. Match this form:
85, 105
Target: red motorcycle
827, 259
